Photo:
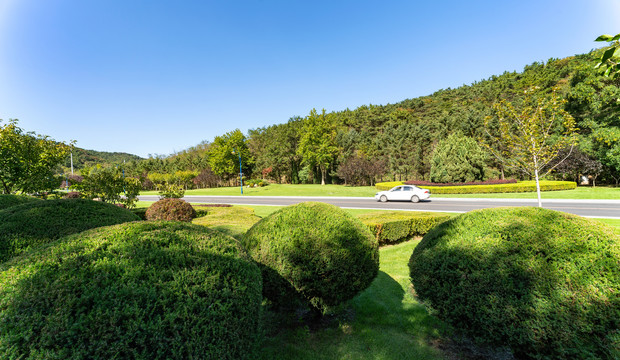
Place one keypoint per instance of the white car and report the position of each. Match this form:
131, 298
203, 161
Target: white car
404, 193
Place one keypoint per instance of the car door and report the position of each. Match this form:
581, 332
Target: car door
401, 194
407, 193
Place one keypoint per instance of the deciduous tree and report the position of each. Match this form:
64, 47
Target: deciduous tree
223, 161
610, 60
534, 134
318, 146
458, 158
28, 160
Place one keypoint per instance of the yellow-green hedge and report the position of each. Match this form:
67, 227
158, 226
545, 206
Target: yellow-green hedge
522, 186
393, 227
382, 186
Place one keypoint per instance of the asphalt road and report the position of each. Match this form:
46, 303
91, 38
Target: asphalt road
587, 208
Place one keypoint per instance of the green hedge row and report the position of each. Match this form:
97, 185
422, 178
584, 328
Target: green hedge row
393, 227
382, 186
523, 186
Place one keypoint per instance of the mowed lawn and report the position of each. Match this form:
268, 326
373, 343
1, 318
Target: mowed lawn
586, 192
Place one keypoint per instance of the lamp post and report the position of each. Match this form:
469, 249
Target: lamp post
240, 170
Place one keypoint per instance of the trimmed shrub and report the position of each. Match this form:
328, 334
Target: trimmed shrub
523, 186
393, 227
257, 183
31, 224
315, 252
382, 186
8, 200
142, 290
171, 209
487, 182
546, 283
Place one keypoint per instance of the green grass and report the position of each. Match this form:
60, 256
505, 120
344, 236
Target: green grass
234, 221
284, 190
599, 192
383, 322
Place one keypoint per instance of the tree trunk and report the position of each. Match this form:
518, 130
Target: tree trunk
538, 187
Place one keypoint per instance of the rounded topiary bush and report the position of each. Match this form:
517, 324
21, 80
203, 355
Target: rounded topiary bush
315, 252
543, 282
8, 200
171, 209
33, 223
142, 290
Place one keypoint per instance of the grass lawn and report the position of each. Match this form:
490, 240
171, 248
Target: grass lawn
234, 221
599, 192
383, 322
285, 190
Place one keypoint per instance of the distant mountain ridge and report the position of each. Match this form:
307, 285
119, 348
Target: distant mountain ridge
85, 158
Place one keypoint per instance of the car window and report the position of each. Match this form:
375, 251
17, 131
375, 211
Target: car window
408, 188
397, 189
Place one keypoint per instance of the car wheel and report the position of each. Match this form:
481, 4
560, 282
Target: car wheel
383, 198
415, 199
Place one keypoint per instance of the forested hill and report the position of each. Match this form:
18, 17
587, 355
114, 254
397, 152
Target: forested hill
397, 140
86, 158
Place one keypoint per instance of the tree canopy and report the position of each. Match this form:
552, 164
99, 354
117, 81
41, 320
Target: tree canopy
28, 161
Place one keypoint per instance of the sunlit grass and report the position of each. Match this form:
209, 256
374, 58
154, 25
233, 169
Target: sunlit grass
586, 192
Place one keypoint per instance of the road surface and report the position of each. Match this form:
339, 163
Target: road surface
587, 208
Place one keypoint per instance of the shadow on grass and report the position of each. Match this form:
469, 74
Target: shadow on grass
383, 322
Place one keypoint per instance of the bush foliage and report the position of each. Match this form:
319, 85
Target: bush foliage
142, 290
313, 251
8, 200
33, 223
393, 227
543, 282
171, 209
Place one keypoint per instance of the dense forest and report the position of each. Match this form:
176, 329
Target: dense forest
405, 141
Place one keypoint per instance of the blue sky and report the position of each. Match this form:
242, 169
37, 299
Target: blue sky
154, 76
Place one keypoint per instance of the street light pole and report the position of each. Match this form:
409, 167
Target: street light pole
240, 171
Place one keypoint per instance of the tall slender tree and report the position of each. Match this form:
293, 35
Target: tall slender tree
533, 135
317, 145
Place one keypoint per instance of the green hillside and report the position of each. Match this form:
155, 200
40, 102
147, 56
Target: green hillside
396, 141
86, 158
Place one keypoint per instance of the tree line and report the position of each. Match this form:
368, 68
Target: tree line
437, 137
440, 137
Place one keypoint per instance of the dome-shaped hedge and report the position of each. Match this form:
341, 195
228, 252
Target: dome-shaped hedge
142, 290
543, 282
319, 251
171, 209
8, 200
33, 223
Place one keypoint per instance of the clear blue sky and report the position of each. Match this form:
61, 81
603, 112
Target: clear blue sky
155, 76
